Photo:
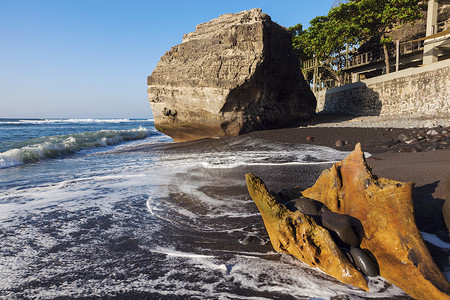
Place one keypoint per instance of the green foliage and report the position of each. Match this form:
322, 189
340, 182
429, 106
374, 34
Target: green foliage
378, 18
353, 22
299, 42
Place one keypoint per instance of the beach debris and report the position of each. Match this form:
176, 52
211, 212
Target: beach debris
402, 137
299, 234
432, 132
411, 142
385, 209
421, 135
378, 211
437, 138
433, 139
310, 138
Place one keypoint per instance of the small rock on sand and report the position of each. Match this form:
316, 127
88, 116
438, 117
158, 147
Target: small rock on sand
341, 225
432, 132
402, 137
363, 262
247, 240
339, 143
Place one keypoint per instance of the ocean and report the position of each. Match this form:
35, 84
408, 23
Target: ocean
112, 208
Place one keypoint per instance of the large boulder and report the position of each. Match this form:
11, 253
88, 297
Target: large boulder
235, 74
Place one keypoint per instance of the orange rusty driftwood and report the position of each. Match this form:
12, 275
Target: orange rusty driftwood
299, 235
385, 210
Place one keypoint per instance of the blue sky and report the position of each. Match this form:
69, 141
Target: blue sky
91, 58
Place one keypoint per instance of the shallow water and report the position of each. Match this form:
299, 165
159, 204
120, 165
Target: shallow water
149, 219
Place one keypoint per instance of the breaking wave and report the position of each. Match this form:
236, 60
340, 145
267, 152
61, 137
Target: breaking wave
64, 121
38, 149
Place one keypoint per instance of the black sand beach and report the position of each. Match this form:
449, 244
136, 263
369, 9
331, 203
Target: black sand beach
427, 169
423, 168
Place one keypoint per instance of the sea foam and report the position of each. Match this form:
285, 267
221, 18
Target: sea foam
148, 223
56, 146
66, 121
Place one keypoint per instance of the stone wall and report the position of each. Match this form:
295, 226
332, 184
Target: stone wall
423, 91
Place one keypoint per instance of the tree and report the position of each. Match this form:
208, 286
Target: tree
325, 39
354, 22
377, 18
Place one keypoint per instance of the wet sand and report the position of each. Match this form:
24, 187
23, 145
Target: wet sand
429, 169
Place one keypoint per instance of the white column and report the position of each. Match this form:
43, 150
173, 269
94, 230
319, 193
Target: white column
397, 55
429, 51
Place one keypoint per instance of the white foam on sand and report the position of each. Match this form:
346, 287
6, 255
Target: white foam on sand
292, 277
267, 155
79, 191
139, 197
435, 240
44, 222
285, 276
175, 253
244, 272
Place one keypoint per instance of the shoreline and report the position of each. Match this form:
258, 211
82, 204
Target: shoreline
225, 180
429, 169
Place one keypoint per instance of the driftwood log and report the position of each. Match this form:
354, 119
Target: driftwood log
381, 206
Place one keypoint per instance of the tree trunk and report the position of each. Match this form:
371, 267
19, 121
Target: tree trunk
386, 57
341, 79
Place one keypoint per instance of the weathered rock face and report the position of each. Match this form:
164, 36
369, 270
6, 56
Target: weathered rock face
234, 74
